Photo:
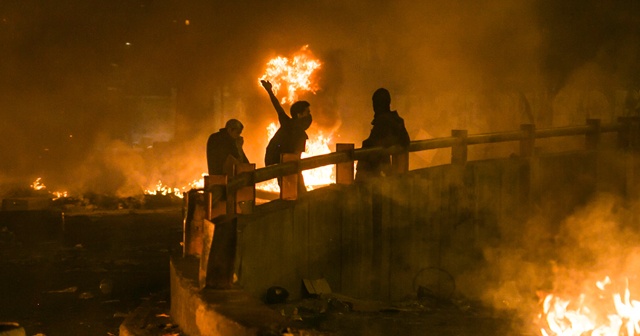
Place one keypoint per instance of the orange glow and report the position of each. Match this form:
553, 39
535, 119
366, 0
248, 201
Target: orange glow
606, 313
293, 75
314, 178
317, 144
38, 185
162, 189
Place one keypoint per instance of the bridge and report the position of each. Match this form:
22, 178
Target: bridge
420, 229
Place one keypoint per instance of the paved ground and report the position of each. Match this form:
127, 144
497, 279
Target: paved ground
88, 279
105, 267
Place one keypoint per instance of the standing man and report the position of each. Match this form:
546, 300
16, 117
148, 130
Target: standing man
388, 130
224, 145
291, 137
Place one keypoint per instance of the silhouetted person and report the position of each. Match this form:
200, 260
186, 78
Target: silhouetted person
224, 145
291, 137
388, 130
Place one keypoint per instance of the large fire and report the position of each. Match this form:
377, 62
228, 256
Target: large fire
608, 311
295, 75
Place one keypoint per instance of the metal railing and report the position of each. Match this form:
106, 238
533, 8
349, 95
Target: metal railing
346, 154
240, 193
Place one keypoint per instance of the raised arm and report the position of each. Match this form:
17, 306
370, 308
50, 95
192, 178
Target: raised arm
276, 104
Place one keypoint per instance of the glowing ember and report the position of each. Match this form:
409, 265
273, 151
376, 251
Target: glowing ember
59, 194
38, 185
198, 184
606, 314
292, 74
162, 189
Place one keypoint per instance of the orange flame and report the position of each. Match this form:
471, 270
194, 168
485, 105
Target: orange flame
293, 74
163, 189
591, 316
317, 144
38, 185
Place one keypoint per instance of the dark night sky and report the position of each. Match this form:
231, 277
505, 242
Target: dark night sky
64, 64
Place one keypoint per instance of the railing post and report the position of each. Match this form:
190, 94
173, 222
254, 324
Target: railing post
218, 253
592, 139
400, 163
624, 133
345, 171
528, 140
634, 137
289, 184
192, 225
244, 198
218, 250
526, 170
629, 142
459, 150
214, 190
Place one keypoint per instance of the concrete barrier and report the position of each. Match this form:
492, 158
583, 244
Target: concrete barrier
210, 312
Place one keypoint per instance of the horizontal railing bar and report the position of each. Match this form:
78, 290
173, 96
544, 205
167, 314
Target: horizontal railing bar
421, 145
609, 128
562, 131
325, 160
494, 137
290, 168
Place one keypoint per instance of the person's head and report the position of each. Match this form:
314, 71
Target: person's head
300, 109
234, 128
301, 112
381, 100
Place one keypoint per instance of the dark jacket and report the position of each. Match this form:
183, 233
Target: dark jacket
290, 138
219, 146
388, 130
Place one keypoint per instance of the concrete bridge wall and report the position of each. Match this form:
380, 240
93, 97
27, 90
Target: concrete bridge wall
381, 240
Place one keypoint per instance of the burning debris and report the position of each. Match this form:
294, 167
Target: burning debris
605, 309
38, 197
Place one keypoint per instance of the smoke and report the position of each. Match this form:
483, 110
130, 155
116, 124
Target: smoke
68, 70
564, 257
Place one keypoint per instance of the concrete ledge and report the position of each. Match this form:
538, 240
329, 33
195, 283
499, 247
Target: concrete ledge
216, 312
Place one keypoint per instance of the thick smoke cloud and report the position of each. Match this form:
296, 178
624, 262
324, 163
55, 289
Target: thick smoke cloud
69, 69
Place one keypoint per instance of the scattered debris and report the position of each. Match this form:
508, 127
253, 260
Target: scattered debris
86, 295
276, 294
66, 290
316, 287
106, 286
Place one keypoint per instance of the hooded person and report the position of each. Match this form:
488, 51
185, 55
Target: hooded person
291, 137
388, 130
